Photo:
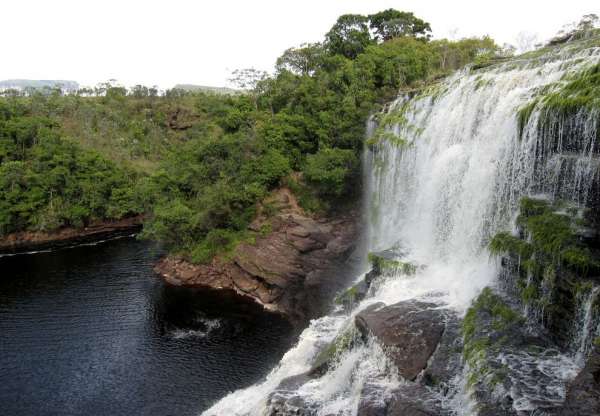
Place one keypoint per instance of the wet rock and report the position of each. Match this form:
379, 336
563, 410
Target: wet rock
446, 361
409, 331
413, 404
284, 401
407, 400
373, 402
353, 295
583, 393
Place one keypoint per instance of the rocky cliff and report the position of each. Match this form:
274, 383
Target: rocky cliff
287, 269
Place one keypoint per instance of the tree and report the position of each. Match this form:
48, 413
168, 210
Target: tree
330, 169
139, 91
349, 36
301, 61
588, 22
392, 23
571, 31
247, 78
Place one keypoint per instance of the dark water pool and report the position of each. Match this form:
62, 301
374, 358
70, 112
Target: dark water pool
92, 331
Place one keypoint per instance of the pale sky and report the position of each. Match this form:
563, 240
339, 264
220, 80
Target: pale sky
167, 42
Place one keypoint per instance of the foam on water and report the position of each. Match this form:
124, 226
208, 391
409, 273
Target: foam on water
209, 325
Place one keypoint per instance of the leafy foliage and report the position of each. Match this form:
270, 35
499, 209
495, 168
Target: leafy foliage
391, 23
47, 182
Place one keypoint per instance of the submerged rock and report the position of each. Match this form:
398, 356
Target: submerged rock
409, 332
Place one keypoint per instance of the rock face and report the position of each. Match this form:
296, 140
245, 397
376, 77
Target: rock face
65, 237
408, 400
282, 269
583, 394
410, 331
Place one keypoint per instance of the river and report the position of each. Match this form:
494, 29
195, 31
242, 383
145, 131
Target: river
92, 330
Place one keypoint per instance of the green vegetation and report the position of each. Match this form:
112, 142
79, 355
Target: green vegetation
383, 265
581, 92
550, 247
553, 238
47, 181
489, 313
198, 164
343, 342
578, 92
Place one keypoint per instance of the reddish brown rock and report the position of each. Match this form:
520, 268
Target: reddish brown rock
409, 331
279, 268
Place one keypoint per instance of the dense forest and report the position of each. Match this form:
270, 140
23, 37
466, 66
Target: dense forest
197, 164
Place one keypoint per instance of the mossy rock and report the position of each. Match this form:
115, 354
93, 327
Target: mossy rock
343, 342
385, 262
353, 295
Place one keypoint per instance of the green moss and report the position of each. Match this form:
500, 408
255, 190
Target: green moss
504, 243
578, 259
583, 287
341, 343
384, 265
582, 91
386, 121
386, 135
349, 296
529, 294
552, 238
524, 114
502, 315
478, 344
531, 207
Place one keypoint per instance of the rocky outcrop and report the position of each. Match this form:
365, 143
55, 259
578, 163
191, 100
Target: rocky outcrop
409, 331
27, 241
583, 393
284, 267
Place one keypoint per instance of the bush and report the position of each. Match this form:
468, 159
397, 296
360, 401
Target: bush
329, 170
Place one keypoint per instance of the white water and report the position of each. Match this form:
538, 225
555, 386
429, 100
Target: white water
586, 332
439, 199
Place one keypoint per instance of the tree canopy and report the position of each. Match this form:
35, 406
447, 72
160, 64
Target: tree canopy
391, 23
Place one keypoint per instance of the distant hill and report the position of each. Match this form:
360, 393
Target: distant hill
21, 84
203, 88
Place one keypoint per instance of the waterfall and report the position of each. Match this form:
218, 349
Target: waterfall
588, 328
449, 179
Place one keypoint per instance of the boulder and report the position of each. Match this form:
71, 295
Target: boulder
409, 331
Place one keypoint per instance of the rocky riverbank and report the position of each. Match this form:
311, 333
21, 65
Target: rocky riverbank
27, 241
286, 269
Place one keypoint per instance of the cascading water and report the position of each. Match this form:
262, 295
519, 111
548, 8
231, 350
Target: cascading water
588, 327
448, 179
